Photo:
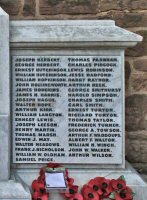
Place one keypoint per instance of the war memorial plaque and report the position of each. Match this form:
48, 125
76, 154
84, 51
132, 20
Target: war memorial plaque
67, 108
65, 103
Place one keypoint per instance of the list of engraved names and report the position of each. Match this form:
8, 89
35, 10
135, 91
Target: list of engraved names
67, 109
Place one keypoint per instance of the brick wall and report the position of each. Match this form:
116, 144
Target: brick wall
130, 14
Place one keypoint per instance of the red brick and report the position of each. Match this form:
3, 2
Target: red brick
51, 7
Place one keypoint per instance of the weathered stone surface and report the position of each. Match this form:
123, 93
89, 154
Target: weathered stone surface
133, 135
135, 4
139, 82
29, 8
11, 7
143, 32
136, 148
141, 167
130, 19
138, 50
141, 48
140, 64
51, 7
127, 75
106, 5
133, 153
136, 111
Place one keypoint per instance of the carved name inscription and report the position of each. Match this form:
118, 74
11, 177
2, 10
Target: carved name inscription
67, 109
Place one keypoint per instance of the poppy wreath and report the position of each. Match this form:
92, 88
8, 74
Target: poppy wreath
98, 188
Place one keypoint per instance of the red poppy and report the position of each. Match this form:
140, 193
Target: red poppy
106, 187
125, 194
41, 178
70, 181
76, 196
95, 185
89, 194
42, 175
42, 171
118, 184
72, 191
38, 196
54, 165
38, 186
44, 197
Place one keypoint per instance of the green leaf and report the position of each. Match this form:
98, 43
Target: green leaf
122, 178
133, 193
112, 195
62, 169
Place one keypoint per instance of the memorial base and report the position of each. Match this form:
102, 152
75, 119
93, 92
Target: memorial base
81, 176
14, 190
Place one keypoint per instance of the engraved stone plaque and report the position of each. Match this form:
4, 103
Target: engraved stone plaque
67, 109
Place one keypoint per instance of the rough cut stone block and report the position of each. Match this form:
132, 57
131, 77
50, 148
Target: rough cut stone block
51, 7
136, 149
133, 153
106, 5
135, 4
130, 19
29, 8
139, 82
11, 6
141, 64
136, 110
127, 75
140, 49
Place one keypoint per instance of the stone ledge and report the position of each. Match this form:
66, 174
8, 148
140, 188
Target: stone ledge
133, 179
13, 190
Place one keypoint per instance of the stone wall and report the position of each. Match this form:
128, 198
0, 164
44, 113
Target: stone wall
130, 14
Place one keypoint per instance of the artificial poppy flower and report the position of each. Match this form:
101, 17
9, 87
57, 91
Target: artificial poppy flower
35, 195
54, 165
95, 185
41, 178
118, 184
39, 196
42, 171
76, 196
38, 186
70, 181
126, 194
72, 190
89, 194
42, 175
106, 187
44, 197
